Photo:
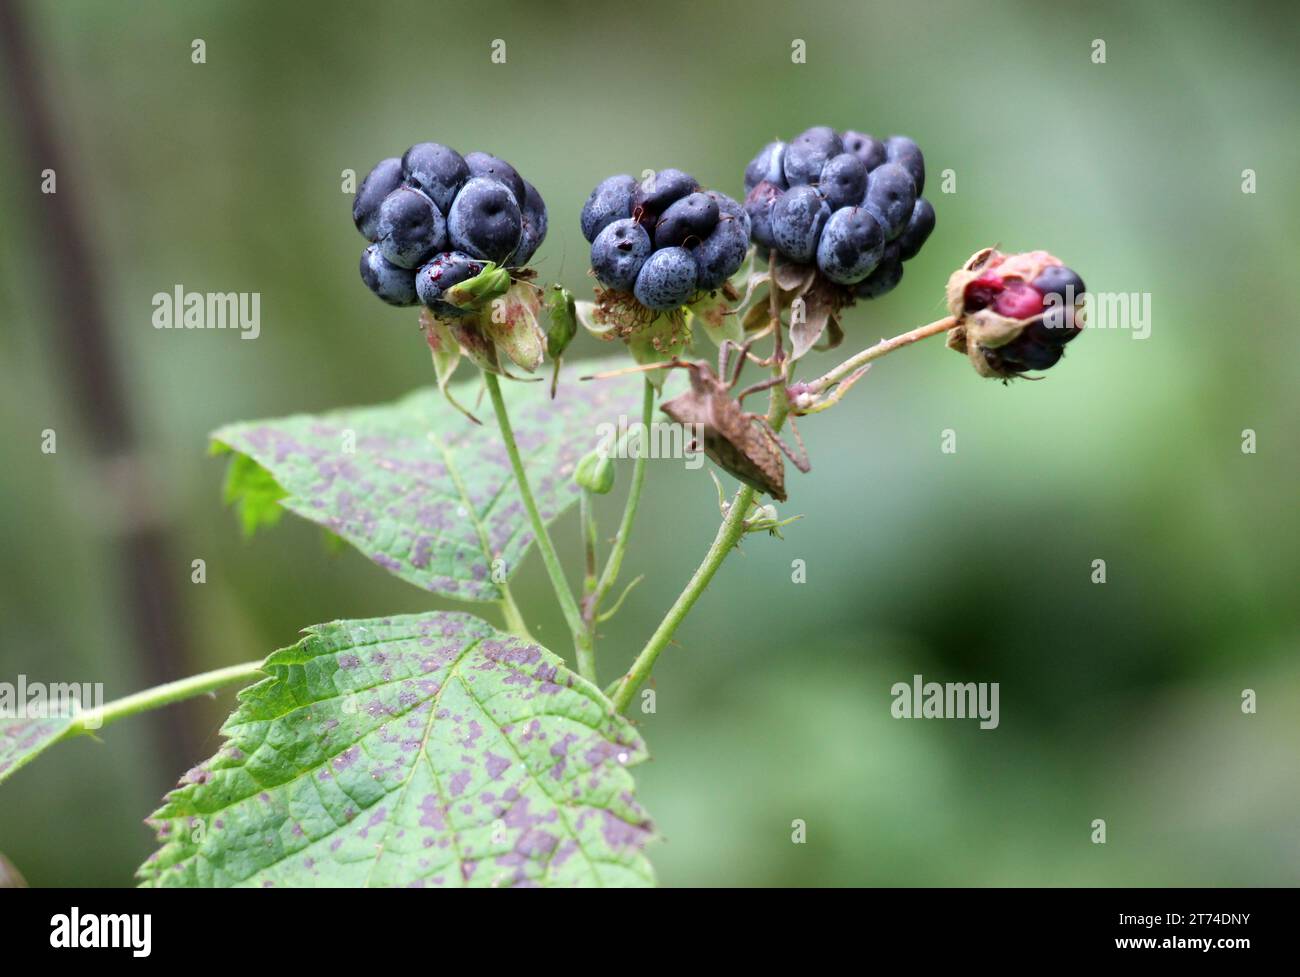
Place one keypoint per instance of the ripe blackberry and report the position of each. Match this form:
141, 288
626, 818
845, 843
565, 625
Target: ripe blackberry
664, 240
436, 210
796, 193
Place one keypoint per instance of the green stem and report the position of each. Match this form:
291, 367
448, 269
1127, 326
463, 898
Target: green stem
572, 616
587, 519
515, 623
162, 695
609, 576
729, 534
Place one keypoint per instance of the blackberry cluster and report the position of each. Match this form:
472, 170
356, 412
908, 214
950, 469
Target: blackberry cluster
1017, 311
436, 218
847, 201
663, 239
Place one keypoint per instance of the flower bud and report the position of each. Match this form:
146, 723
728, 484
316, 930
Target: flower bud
595, 472
1015, 312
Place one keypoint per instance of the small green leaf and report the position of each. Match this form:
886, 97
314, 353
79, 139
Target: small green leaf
420, 490
23, 739
254, 493
425, 749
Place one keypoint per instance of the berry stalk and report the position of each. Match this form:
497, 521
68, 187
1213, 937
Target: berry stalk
806, 393
583, 647
728, 536
614, 563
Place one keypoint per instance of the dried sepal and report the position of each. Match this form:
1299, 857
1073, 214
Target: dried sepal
510, 323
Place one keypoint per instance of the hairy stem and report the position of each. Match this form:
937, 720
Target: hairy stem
162, 695
573, 617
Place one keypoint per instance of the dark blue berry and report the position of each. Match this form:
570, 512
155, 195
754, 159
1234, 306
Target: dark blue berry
489, 167
533, 231
851, 246
720, 254
727, 207
1026, 352
484, 220
808, 153
394, 285
410, 227
758, 207
610, 201
437, 170
1056, 279
445, 270
694, 216
843, 181
885, 278
869, 149
767, 165
798, 217
659, 191
891, 195
918, 228
618, 253
668, 278
1058, 324
378, 184
907, 154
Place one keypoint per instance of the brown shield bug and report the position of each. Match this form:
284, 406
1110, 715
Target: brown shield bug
738, 441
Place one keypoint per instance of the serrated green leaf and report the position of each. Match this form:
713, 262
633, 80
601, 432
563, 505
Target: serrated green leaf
23, 739
425, 749
423, 492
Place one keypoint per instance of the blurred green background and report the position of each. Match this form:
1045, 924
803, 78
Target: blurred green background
1118, 701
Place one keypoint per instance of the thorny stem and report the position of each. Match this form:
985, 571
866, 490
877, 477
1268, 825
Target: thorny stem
573, 617
162, 695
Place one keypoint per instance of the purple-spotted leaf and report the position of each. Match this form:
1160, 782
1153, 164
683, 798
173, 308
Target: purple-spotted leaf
422, 491
21, 739
427, 749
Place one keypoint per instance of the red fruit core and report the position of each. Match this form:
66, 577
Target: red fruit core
981, 292
1018, 300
